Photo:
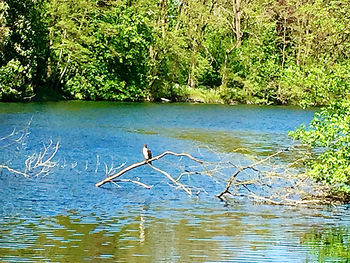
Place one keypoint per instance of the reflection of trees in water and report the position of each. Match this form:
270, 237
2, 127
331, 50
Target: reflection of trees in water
183, 238
252, 143
329, 245
68, 239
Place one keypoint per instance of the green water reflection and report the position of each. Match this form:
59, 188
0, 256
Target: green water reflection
200, 238
251, 145
143, 238
329, 245
223, 141
70, 239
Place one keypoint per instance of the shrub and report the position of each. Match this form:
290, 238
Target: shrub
329, 136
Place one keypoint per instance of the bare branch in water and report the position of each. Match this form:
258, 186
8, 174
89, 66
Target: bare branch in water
155, 158
112, 169
36, 164
41, 163
134, 182
15, 137
183, 187
262, 181
251, 166
13, 170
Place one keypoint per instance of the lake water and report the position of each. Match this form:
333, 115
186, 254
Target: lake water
63, 217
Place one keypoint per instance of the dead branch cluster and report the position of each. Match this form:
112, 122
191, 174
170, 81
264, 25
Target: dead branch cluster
36, 164
263, 181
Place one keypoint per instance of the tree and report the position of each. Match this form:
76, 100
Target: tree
168, 52
23, 49
329, 136
99, 50
262, 52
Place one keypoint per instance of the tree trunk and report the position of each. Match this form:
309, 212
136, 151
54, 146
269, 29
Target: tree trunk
237, 21
191, 74
235, 25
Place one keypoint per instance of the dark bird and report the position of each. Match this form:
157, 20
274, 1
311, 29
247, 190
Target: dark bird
146, 153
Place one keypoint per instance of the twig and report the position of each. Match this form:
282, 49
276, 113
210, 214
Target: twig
116, 184
187, 190
112, 169
97, 163
39, 161
251, 166
10, 138
13, 170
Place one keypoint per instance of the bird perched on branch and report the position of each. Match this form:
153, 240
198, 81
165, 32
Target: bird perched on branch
146, 153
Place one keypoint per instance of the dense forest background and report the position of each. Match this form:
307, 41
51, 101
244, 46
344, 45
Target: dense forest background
236, 51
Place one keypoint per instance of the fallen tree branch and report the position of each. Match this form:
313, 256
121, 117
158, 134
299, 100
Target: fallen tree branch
251, 166
155, 158
120, 173
37, 164
262, 181
42, 162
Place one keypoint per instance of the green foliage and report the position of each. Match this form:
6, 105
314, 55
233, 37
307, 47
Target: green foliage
3, 25
260, 66
201, 95
261, 52
328, 244
329, 135
23, 49
14, 82
102, 53
316, 84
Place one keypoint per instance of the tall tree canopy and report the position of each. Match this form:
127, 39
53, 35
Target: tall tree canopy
281, 52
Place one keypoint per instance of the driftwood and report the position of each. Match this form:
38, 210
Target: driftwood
148, 162
262, 181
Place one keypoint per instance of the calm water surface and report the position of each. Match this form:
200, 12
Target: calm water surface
63, 217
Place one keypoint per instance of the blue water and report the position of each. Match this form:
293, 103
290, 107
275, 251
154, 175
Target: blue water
63, 217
